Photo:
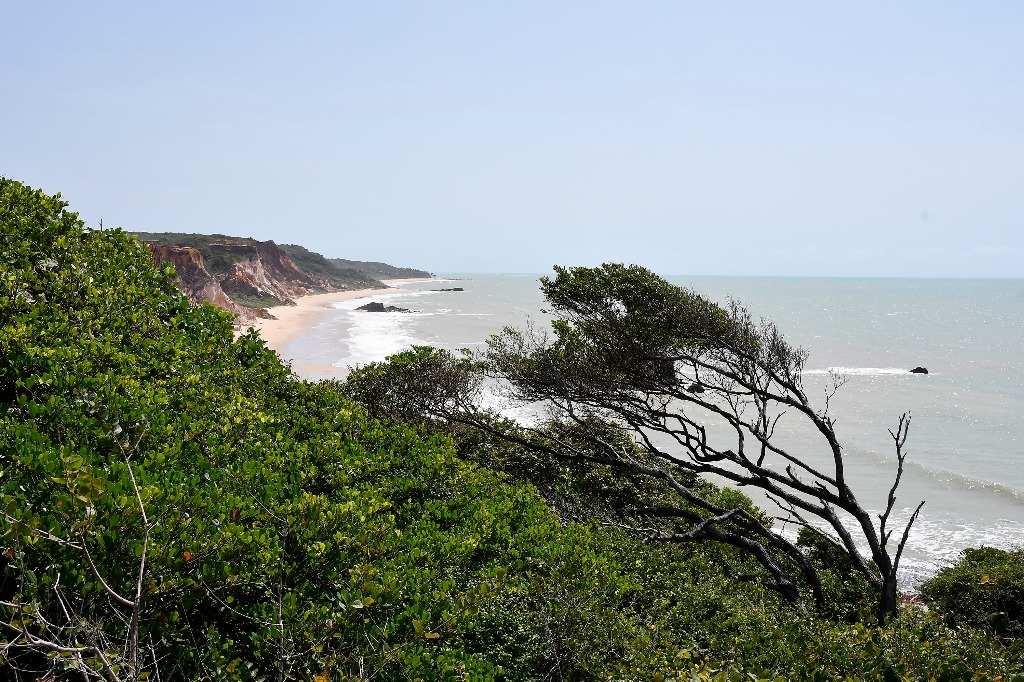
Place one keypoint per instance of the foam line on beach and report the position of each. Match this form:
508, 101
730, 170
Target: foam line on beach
292, 321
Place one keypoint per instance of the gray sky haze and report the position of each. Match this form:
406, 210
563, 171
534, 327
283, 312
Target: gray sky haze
730, 138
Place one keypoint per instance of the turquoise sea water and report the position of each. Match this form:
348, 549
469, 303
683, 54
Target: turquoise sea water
967, 437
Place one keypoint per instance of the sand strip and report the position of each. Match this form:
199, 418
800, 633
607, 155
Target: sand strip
294, 320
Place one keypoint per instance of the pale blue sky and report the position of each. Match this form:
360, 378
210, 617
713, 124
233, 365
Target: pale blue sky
694, 138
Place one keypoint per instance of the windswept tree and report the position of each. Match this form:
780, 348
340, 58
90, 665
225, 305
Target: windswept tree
701, 389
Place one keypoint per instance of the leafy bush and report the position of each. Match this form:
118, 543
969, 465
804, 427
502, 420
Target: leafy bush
984, 589
174, 500
848, 593
685, 594
248, 525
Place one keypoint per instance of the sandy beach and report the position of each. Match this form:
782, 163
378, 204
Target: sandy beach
293, 320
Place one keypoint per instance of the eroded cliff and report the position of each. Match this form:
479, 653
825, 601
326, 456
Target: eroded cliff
245, 276
192, 277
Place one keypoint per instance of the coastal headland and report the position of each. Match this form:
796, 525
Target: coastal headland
281, 290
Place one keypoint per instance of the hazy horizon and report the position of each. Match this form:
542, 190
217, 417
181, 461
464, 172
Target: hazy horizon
723, 140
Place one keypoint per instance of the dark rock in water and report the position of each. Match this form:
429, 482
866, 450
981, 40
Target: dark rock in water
377, 307
695, 388
453, 289
919, 370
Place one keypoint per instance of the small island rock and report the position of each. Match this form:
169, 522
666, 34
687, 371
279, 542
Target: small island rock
378, 307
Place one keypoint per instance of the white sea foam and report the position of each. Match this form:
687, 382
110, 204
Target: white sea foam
372, 337
859, 371
935, 543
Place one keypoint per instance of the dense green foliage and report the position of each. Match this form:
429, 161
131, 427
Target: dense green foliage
425, 384
704, 388
984, 589
255, 526
689, 593
285, 529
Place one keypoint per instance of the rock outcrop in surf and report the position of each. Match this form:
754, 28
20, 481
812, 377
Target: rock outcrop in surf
378, 307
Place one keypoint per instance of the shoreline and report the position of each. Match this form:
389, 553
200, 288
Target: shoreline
295, 320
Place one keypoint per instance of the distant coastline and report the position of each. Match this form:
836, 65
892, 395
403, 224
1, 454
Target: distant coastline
250, 278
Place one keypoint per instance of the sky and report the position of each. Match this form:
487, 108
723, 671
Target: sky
725, 138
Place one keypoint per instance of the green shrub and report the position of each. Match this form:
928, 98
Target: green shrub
253, 525
984, 589
847, 591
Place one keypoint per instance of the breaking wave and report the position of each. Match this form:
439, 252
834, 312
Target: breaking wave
859, 371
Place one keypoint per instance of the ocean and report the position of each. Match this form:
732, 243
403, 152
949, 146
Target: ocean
966, 444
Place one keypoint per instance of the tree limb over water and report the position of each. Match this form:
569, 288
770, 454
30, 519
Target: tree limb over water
700, 389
